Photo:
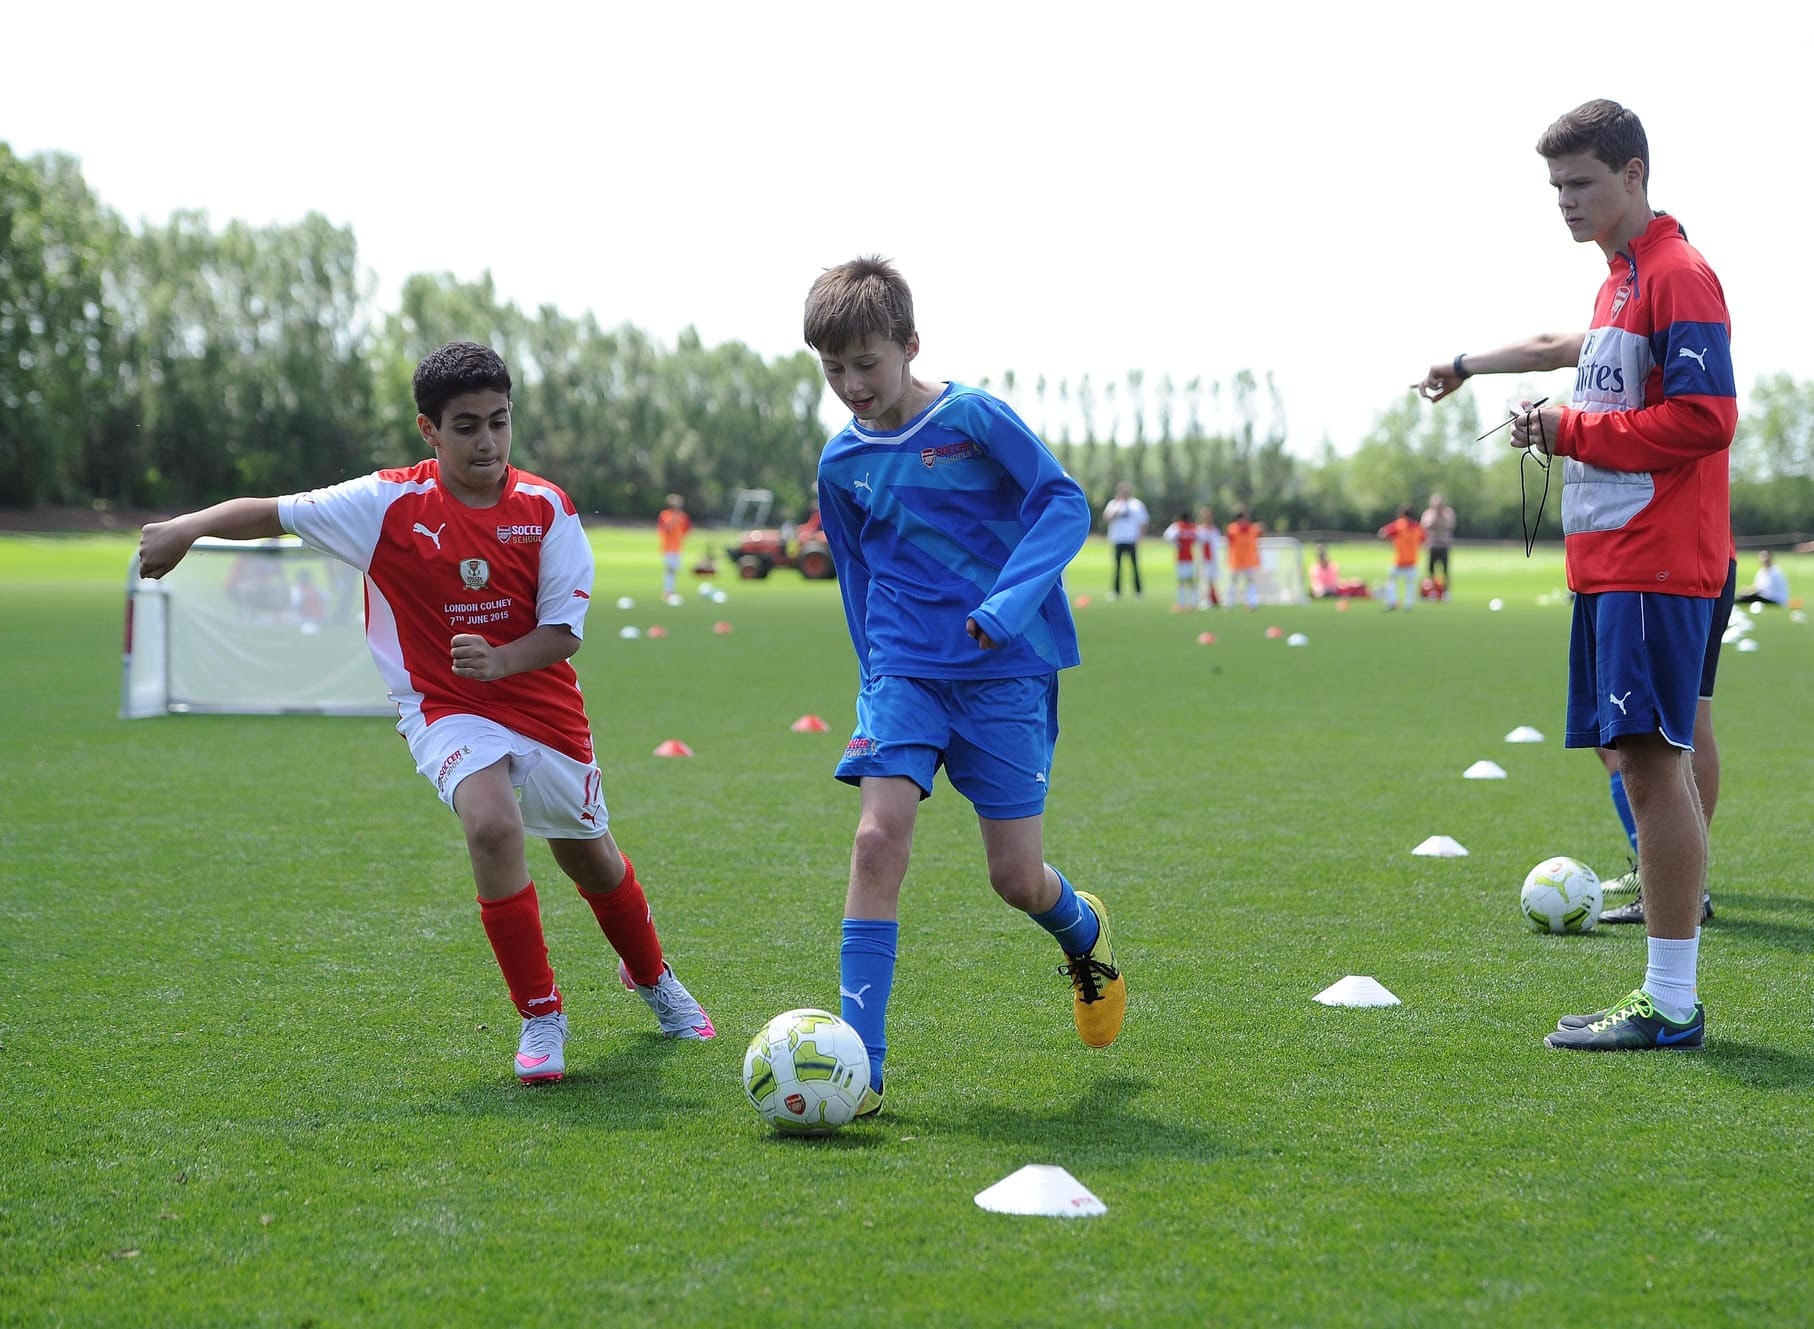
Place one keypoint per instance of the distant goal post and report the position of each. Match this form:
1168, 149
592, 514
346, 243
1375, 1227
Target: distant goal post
1281, 576
249, 627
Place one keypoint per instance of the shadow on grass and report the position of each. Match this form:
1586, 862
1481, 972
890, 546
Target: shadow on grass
1797, 937
628, 1087
1098, 1128
1758, 1067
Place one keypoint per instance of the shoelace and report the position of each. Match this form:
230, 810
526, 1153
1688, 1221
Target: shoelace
1084, 973
541, 1036
1635, 1003
668, 1003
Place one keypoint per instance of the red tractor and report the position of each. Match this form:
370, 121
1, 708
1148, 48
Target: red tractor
762, 549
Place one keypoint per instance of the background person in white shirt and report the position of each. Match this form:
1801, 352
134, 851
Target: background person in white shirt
1769, 586
1126, 520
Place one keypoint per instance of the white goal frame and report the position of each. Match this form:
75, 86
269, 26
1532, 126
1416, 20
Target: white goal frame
1280, 579
249, 627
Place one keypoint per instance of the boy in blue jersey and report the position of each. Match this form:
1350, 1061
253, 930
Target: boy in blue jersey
951, 525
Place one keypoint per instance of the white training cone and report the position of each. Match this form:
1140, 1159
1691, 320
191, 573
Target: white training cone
1524, 734
1757, 607
625, 602
1297, 639
1440, 846
1747, 643
1357, 990
1484, 770
1798, 616
1495, 604
629, 634
1041, 1190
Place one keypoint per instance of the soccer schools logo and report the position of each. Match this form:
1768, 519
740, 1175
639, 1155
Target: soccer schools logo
448, 766
950, 452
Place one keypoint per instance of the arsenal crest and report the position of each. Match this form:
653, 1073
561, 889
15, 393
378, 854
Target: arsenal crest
476, 573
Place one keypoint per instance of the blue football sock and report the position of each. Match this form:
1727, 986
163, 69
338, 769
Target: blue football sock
865, 977
1071, 921
1622, 806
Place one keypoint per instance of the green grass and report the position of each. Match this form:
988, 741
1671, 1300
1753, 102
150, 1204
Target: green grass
254, 1052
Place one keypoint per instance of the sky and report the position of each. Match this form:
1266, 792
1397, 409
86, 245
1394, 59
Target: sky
1335, 196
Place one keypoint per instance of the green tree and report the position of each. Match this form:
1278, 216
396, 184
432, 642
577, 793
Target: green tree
1773, 459
62, 406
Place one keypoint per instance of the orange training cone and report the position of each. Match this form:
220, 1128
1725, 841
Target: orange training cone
722, 628
673, 748
809, 724
656, 630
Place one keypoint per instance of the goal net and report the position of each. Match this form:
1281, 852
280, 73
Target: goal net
249, 627
1281, 575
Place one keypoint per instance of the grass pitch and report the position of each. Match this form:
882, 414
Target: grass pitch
255, 1055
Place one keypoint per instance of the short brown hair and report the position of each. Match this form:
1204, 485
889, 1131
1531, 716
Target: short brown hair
1611, 133
857, 300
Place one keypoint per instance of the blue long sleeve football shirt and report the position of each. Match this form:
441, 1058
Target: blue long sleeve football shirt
960, 513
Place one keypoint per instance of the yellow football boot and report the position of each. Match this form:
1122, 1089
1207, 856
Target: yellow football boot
1099, 993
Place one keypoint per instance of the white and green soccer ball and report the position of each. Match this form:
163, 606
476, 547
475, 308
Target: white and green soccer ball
1561, 894
805, 1071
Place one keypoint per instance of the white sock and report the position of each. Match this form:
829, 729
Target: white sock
1669, 975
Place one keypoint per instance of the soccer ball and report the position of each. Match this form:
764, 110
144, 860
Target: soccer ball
1560, 895
805, 1071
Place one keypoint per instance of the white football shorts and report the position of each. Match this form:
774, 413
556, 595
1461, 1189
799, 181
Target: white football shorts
561, 799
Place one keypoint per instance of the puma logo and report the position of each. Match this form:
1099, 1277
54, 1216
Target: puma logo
856, 996
1700, 358
1619, 701
861, 484
434, 535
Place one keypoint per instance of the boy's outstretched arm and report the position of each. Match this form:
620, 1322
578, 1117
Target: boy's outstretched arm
162, 544
1533, 355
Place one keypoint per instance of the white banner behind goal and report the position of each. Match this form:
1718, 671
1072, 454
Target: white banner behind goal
249, 627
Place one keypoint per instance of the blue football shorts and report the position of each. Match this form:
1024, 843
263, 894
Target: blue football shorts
1635, 661
994, 737
1722, 619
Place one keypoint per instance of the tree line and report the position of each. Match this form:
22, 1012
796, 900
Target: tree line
177, 364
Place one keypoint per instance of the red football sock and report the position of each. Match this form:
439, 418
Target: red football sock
514, 926
629, 927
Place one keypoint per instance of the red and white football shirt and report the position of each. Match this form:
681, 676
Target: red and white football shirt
435, 568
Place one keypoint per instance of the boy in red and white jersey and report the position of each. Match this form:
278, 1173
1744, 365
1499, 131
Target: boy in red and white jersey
477, 579
1209, 538
1644, 444
1184, 535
